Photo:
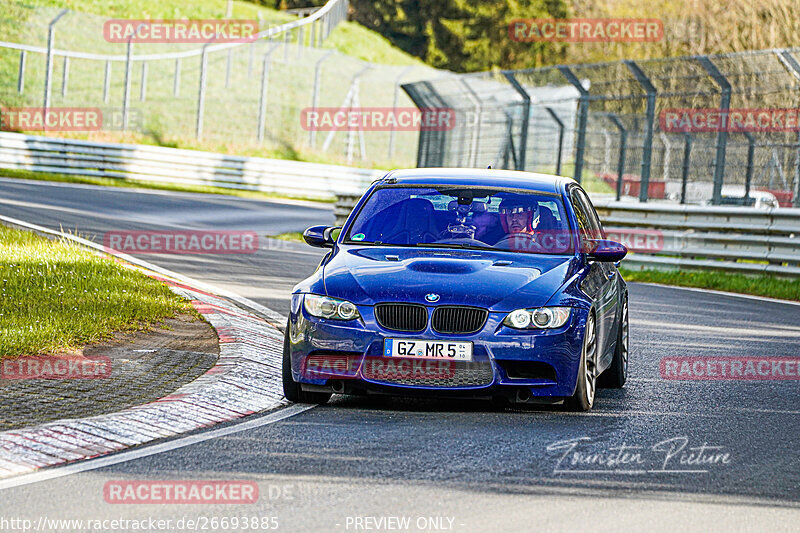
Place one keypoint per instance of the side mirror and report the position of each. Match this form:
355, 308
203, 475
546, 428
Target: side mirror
604, 250
320, 236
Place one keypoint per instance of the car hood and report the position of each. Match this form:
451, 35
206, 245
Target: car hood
500, 281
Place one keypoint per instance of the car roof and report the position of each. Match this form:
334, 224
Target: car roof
480, 176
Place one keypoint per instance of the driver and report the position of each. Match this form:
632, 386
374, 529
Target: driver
517, 215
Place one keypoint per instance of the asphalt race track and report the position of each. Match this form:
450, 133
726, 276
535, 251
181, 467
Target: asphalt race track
360, 464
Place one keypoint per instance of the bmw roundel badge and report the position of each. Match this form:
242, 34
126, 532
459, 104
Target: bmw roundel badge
432, 297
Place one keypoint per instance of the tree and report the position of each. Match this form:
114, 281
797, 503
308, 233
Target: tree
462, 35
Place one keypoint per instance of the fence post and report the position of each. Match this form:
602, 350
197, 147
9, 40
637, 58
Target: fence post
355, 87
21, 78
143, 86
583, 117
176, 80
796, 195
560, 124
607, 152
51, 30
250, 56
791, 64
650, 117
65, 77
392, 132
722, 134
300, 42
526, 115
127, 91
107, 82
667, 158
476, 131
312, 135
687, 154
201, 92
623, 142
262, 106
751, 148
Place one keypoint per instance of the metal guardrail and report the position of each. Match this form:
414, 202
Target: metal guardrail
184, 167
733, 239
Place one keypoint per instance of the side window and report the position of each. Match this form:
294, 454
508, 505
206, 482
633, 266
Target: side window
585, 210
584, 226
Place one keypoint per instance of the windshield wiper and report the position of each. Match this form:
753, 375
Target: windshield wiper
463, 246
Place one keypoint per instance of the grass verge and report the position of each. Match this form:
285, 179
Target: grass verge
115, 182
57, 296
761, 285
294, 236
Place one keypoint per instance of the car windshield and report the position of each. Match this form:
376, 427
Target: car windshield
463, 217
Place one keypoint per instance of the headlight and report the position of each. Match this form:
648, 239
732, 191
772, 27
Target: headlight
541, 318
333, 308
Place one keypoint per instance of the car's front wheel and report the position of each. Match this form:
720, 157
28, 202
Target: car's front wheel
291, 388
615, 375
583, 399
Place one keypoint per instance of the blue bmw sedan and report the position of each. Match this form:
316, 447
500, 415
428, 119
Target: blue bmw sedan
462, 282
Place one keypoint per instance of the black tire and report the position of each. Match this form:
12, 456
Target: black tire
291, 388
616, 374
583, 398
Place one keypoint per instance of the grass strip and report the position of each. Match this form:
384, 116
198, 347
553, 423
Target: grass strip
58, 296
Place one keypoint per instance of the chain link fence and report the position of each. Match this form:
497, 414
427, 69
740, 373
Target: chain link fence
231, 97
600, 122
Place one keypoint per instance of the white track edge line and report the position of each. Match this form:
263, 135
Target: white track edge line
146, 451
722, 293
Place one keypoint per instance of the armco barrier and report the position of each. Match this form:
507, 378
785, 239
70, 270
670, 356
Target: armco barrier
183, 167
734, 239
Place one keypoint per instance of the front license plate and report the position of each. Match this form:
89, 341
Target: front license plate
420, 349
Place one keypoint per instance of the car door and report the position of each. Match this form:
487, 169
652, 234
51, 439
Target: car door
602, 277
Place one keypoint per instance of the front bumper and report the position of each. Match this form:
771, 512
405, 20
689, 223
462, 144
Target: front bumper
348, 357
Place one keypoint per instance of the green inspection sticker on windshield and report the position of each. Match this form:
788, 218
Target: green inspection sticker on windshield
359, 237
